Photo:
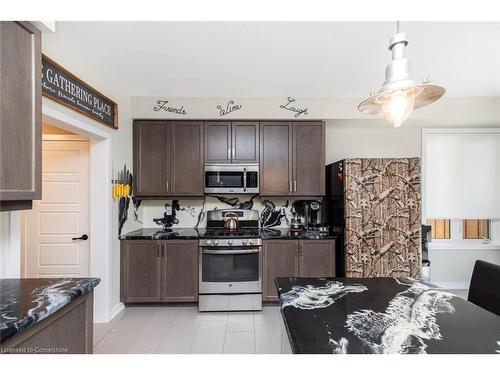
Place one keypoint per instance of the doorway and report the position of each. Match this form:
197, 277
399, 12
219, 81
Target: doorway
56, 230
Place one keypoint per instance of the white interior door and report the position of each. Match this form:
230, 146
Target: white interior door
61, 215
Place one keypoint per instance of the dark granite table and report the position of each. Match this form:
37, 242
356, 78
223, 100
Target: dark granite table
25, 302
382, 315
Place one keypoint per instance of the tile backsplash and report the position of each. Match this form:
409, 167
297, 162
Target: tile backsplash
191, 208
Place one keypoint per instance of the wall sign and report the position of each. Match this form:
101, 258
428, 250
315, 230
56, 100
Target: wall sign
162, 105
230, 107
63, 87
297, 111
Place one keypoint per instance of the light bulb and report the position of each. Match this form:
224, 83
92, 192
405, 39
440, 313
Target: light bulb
398, 106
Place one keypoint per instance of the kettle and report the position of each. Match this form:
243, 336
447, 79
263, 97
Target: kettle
231, 221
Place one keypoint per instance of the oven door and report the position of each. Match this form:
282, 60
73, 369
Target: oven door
230, 270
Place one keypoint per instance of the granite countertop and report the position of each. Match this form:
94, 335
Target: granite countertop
25, 302
194, 234
382, 315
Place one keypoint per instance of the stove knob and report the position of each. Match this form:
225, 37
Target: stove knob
249, 242
230, 242
215, 242
245, 242
210, 242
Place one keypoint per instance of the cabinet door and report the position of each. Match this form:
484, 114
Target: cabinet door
180, 271
151, 158
20, 113
275, 158
317, 258
140, 271
217, 142
245, 142
308, 159
280, 260
186, 145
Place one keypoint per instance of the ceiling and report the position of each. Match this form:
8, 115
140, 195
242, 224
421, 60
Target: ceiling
257, 59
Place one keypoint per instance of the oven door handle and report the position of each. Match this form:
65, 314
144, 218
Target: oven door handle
244, 179
230, 252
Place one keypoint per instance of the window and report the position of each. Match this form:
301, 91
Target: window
476, 229
440, 228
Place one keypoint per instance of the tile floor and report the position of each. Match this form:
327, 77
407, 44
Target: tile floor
182, 329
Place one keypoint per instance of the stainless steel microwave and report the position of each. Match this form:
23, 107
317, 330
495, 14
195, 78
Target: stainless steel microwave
231, 179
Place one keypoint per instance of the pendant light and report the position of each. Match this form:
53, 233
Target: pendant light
400, 94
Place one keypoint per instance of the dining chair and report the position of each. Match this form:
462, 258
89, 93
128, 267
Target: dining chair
484, 289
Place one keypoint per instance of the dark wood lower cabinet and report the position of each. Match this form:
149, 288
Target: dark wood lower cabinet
317, 258
67, 331
159, 271
141, 271
280, 259
295, 258
180, 271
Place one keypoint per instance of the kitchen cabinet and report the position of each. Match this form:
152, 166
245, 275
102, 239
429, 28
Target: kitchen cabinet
159, 271
231, 142
316, 258
280, 259
180, 271
292, 158
186, 170
151, 158
295, 258
308, 159
141, 271
168, 158
20, 115
276, 158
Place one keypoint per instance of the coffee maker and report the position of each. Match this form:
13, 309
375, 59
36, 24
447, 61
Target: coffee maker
314, 216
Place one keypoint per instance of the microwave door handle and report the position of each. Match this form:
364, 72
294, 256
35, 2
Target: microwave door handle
230, 252
244, 179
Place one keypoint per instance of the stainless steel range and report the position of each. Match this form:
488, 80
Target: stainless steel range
231, 263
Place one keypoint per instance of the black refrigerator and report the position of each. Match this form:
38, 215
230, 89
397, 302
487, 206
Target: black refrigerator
373, 207
334, 211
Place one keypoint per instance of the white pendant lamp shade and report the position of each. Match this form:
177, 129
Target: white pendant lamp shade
400, 94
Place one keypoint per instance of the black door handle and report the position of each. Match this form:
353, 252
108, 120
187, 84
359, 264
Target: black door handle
84, 237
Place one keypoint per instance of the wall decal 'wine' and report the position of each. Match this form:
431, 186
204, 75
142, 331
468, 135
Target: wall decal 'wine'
162, 105
230, 107
298, 111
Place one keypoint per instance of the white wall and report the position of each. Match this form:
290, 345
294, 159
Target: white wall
10, 245
355, 141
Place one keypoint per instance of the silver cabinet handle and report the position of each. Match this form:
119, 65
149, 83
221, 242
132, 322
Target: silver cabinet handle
228, 154
295, 185
166, 185
234, 153
290, 186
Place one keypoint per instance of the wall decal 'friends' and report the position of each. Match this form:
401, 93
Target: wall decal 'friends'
298, 111
230, 107
162, 105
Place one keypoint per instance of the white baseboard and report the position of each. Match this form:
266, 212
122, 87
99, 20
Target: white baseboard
451, 285
116, 310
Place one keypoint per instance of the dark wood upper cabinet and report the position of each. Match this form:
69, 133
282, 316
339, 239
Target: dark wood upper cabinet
141, 276
292, 158
231, 142
168, 158
245, 142
180, 271
20, 115
317, 258
309, 159
186, 172
217, 142
280, 259
276, 158
151, 158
